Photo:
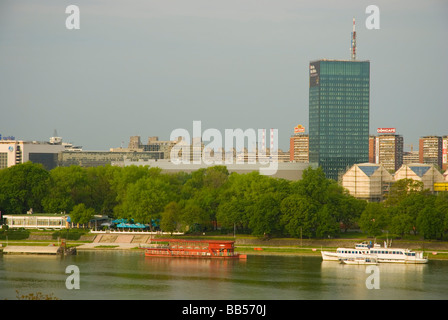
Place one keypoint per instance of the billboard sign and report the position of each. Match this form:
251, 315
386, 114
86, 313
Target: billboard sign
314, 73
299, 129
386, 130
7, 137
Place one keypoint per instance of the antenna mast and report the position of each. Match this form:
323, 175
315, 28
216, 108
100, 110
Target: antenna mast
353, 47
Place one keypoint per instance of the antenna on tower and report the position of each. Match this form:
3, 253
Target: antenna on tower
353, 42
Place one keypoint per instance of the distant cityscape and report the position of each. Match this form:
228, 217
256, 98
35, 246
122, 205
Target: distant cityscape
386, 148
338, 141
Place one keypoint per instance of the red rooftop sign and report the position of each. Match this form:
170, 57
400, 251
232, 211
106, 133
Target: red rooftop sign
385, 130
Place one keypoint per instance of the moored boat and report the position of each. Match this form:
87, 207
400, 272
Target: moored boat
184, 248
381, 254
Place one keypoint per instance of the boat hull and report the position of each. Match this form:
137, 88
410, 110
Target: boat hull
379, 258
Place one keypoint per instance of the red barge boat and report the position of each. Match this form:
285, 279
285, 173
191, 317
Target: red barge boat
183, 248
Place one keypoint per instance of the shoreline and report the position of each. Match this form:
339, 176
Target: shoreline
286, 247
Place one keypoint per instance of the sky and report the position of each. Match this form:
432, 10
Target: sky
148, 67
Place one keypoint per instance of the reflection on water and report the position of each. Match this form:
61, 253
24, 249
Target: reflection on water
131, 275
396, 281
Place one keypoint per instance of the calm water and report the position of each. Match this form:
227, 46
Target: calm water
130, 275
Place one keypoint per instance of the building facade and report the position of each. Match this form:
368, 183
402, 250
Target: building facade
14, 152
430, 150
372, 182
368, 181
299, 148
339, 95
34, 221
389, 151
426, 173
444, 152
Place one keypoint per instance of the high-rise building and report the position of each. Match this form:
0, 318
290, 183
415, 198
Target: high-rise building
389, 150
299, 145
339, 95
430, 150
299, 148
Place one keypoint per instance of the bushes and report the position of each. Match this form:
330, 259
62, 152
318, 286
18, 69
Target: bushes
67, 234
20, 234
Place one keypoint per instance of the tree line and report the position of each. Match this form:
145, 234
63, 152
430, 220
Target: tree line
212, 198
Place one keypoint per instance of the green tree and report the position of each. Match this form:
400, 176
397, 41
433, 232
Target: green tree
299, 216
373, 219
23, 186
430, 223
170, 217
68, 187
102, 196
401, 189
82, 215
401, 224
232, 212
146, 199
314, 185
264, 219
328, 225
194, 216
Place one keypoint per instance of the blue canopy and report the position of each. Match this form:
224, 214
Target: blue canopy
131, 225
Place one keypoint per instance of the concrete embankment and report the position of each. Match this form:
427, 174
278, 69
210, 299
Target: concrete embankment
116, 242
335, 243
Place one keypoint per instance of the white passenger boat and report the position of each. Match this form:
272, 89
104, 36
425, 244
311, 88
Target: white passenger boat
381, 254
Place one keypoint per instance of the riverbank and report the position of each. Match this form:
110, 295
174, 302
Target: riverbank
435, 250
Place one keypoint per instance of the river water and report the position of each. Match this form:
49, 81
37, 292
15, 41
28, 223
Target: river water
129, 275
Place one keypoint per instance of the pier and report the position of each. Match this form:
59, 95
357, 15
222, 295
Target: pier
47, 250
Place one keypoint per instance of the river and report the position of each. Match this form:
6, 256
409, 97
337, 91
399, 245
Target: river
129, 275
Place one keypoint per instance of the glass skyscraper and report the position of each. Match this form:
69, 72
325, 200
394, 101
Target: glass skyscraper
339, 114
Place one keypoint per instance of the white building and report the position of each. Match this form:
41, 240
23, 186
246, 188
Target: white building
35, 221
367, 181
425, 173
14, 152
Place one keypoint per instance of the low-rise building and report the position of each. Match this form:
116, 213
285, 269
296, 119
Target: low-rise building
425, 173
367, 181
37, 221
14, 152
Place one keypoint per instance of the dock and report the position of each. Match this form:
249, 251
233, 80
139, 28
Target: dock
47, 250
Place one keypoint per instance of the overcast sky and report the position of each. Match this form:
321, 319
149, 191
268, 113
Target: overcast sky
147, 67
